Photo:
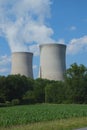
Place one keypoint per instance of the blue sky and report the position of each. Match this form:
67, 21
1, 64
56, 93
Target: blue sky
24, 24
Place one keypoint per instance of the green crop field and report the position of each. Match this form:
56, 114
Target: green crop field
28, 114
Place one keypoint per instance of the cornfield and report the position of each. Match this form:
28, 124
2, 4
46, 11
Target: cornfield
19, 115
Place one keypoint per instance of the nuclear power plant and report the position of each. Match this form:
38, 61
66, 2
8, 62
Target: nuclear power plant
52, 61
22, 63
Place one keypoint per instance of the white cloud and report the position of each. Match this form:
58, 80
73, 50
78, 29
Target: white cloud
34, 49
4, 60
77, 45
22, 22
4, 70
34, 66
72, 28
61, 41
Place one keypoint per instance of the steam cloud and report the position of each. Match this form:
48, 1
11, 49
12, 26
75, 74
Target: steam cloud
22, 23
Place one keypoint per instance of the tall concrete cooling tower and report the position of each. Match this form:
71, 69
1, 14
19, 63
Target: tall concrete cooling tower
52, 61
22, 63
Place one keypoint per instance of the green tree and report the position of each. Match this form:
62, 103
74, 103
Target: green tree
75, 83
17, 85
3, 89
29, 97
39, 89
54, 92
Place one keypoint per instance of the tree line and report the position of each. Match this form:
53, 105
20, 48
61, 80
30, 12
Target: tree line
17, 89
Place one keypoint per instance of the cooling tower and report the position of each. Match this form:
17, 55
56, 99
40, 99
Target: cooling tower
22, 63
52, 61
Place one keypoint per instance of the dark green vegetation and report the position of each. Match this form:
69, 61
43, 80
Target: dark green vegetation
16, 89
20, 115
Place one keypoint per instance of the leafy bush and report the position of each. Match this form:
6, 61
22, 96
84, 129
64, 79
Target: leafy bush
28, 98
15, 102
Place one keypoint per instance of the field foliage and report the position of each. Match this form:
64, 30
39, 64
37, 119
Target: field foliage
21, 115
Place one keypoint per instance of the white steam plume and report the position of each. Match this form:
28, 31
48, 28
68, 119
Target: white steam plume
22, 23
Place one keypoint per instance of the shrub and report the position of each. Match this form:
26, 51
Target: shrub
15, 102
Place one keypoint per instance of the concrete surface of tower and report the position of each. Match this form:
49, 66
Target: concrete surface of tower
22, 63
52, 61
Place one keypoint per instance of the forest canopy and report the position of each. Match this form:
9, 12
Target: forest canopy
17, 89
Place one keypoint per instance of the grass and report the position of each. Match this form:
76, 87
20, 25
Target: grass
63, 124
43, 117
